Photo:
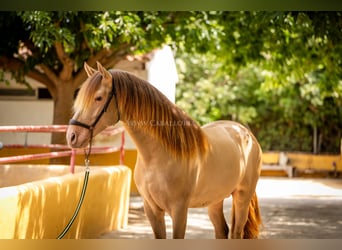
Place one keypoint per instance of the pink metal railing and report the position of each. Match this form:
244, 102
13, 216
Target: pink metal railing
67, 151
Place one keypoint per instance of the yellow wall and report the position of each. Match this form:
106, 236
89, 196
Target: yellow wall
320, 162
5, 152
113, 158
306, 160
42, 209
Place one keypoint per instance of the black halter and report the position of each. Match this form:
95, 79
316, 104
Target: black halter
105, 107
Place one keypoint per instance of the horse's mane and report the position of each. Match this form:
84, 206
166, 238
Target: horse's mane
145, 106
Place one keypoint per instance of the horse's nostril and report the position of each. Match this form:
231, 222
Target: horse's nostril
73, 137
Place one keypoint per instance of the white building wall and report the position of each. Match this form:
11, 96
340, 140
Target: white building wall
162, 72
24, 111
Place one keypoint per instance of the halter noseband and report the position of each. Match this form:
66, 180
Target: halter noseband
92, 126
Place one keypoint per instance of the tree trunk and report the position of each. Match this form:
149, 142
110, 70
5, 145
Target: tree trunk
314, 141
63, 101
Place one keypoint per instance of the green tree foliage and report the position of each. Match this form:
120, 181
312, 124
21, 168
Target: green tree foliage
279, 73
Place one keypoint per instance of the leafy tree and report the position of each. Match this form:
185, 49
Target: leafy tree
51, 47
278, 72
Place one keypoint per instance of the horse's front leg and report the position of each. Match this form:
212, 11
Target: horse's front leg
216, 216
157, 220
179, 217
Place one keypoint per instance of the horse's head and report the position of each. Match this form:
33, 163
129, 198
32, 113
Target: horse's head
92, 109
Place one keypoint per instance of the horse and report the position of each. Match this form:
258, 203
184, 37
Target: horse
180, 164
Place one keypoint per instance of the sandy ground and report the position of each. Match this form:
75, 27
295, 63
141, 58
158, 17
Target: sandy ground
291, 209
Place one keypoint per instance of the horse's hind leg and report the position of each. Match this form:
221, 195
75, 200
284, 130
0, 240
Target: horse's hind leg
216, 216
246, 217
239, 213
157, 220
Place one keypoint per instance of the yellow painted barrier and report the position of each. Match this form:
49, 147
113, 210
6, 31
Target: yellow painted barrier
303, 162
270, 157
42, 208
312, 161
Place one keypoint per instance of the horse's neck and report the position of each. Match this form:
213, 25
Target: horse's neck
146, 145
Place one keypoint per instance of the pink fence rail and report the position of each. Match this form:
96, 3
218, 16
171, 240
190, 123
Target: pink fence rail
67, 151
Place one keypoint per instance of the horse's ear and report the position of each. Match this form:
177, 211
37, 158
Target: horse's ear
89, 70
105, 73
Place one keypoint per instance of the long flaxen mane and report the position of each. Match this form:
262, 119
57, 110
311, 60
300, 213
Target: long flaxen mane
144, 107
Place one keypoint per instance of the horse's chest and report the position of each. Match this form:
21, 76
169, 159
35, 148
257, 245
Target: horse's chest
164, 180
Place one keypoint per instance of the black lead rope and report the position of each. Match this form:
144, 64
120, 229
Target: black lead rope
84, 188
85, 183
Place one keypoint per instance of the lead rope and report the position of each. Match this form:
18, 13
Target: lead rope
84, 188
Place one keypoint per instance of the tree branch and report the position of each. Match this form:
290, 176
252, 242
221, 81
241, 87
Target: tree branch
116, 56
85, 42
52, 81
81, 76
49, 73
48, 78
107, 57
43, 79
11, 64
67, 62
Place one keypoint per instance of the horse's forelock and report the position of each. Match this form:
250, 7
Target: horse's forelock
86, 93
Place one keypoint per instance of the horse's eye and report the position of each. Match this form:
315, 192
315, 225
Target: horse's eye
98, 98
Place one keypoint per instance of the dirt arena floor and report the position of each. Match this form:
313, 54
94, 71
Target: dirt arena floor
291, 209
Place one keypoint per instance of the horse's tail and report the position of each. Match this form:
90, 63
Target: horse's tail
251, 229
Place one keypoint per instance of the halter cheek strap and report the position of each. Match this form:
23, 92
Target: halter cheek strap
105, 107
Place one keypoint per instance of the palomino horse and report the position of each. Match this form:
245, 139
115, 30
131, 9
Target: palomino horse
179, 163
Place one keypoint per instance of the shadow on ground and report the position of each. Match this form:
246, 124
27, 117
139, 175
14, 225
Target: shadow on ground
291, 209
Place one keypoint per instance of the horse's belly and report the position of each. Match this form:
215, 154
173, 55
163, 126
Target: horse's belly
214, 186
216, 182
211, 191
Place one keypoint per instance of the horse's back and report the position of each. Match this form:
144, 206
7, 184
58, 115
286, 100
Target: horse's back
238, 135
